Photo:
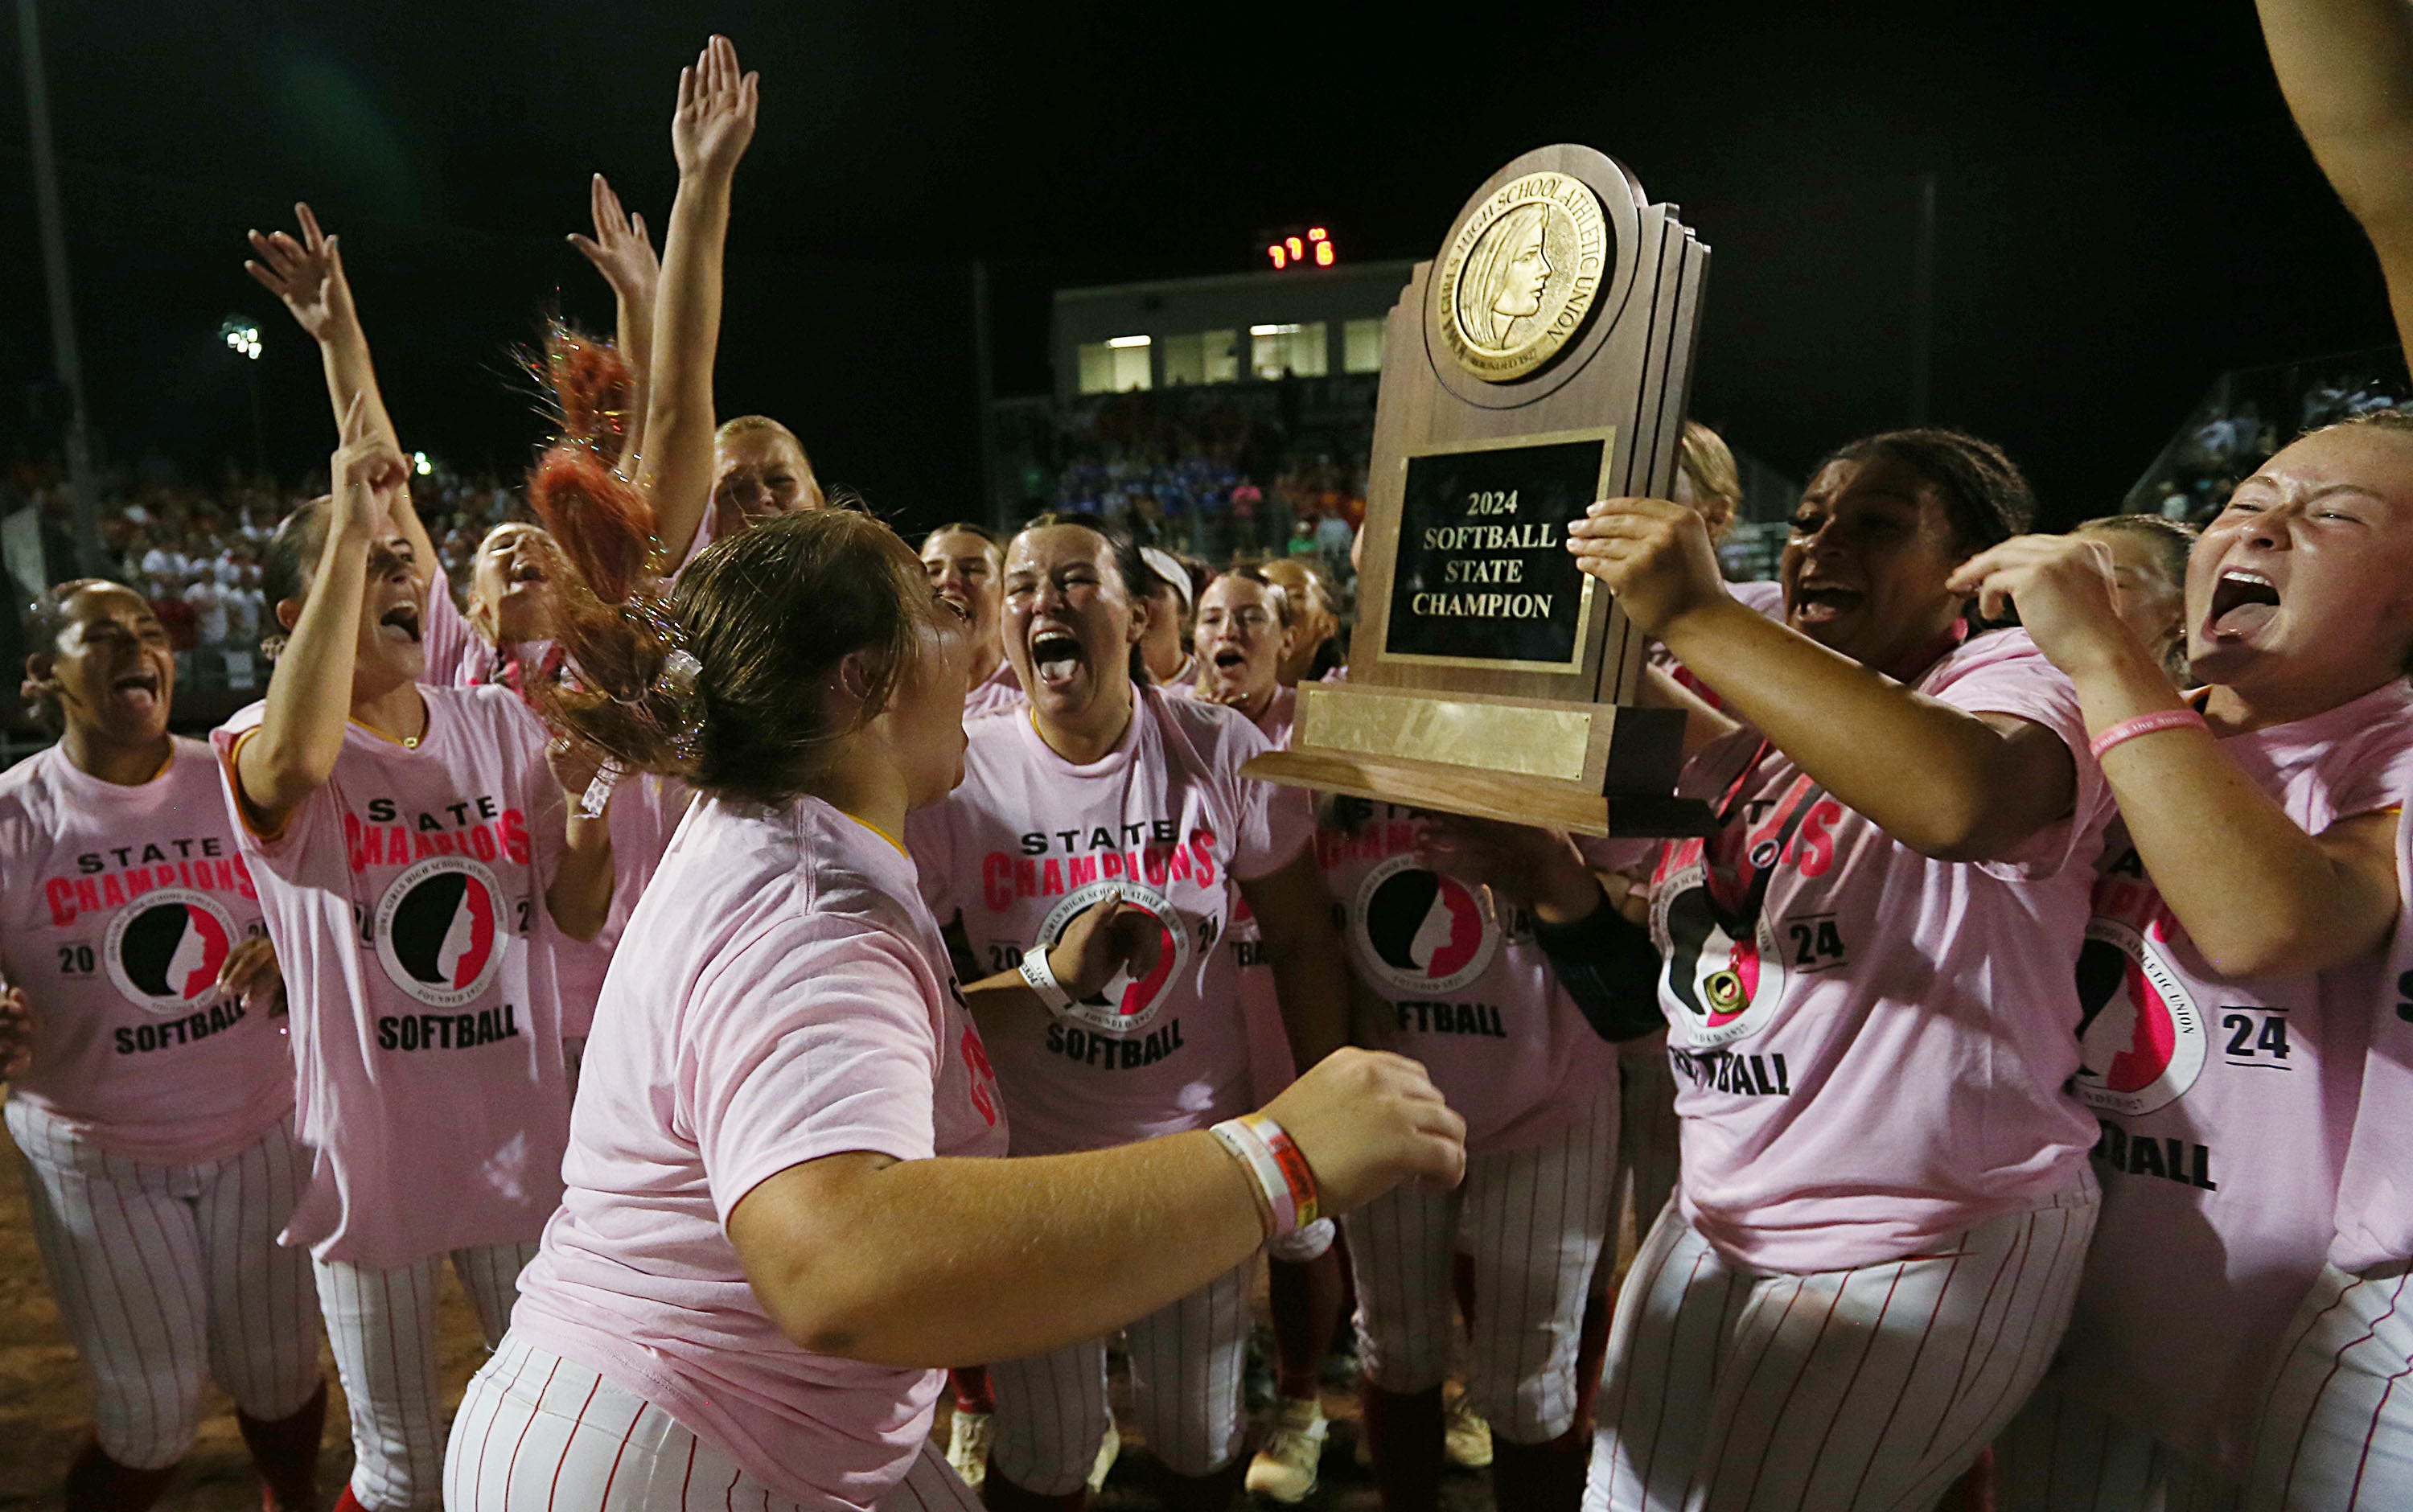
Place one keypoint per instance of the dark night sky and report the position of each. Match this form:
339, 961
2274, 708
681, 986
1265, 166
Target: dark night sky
2124, 209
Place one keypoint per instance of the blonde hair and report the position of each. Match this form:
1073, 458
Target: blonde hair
1709, 465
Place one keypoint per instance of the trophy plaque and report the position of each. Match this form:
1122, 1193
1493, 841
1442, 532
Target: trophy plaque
1540, 362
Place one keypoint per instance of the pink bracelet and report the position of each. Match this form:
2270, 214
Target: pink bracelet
2145, 724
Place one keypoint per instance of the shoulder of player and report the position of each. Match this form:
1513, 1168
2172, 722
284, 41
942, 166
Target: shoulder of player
1222, 737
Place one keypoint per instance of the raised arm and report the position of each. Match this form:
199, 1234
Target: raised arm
709, 131
624, 253
1948, 783
301, 733
2257, 895
2346, 68
308, 275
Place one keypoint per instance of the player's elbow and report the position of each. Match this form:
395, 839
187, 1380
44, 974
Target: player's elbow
835, 1301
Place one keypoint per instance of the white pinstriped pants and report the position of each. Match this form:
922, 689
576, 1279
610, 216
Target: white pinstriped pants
536, 1430
381, 1326
1730, 1390
1647, 1140
2336, 1431
168, 1275
2063, 1455
1534, 1221
1186, 1363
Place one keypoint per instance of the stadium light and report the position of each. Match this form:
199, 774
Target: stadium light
1120, 342
242, 336
421, 464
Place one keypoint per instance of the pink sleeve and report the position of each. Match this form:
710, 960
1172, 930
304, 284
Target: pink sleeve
312, 829
444, 634
2017, 680
1275, 820
800, 1048
2377, 776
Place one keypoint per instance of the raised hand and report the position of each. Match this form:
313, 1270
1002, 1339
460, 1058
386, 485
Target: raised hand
2064, 591
307, 275
620, 248
368, 473
1653, 555
715, 119
16, 1032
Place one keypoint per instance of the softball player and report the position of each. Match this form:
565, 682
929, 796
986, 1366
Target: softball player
155, 1112
1885, 1201
1102, 784
2226, 1091
412, 853
771, 1230
965, 564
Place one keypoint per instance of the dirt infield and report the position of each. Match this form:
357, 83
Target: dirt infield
43, 1408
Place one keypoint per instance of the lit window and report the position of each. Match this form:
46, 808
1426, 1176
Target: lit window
1206, 357
1276, 349
1361, 346
1114, 366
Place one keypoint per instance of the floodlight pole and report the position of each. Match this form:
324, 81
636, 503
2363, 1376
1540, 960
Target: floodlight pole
63, 352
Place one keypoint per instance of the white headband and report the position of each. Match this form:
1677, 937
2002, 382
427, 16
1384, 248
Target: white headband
1167, 565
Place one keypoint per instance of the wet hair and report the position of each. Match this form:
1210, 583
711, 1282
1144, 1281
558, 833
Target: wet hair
1140, 580
1285, 614
1709, 465
996, 547
2171, 539
1985, 496
47, 619
714, 680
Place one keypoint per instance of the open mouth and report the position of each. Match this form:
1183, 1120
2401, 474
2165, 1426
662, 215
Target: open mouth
400, 623
1057, 658
527, 572
2243, 602
1820, 604
137, 686
1230, 658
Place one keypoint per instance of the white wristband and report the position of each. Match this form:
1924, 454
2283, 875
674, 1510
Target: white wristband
1041, 978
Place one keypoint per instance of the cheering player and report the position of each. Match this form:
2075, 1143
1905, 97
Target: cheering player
154, 1101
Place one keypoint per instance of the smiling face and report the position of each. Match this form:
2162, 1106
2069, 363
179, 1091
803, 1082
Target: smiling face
385, 651
111, 667
1068, 624
759, 473
1865, 565
511, 583
964, 569
2306, 579
1240, 639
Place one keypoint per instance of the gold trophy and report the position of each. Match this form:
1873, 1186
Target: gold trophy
1541, 361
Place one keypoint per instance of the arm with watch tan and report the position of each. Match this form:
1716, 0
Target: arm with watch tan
2257, 895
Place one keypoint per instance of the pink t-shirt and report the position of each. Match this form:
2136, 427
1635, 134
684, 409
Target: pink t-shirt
118, 905
1000, 690
1871, 1047
406, 898
2226, 1107
1031, 840
1473, 996
2374, 1202
795, 1002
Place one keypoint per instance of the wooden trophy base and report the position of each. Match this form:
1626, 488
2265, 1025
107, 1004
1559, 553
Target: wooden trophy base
1602, 769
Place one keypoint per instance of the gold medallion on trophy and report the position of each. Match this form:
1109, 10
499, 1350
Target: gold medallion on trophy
1519, 275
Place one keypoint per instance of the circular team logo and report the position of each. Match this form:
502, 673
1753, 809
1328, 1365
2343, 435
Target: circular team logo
1519, 274
2141, 1037
164, 949
1420, 932
442, 930
1127, 1003
1727, 986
